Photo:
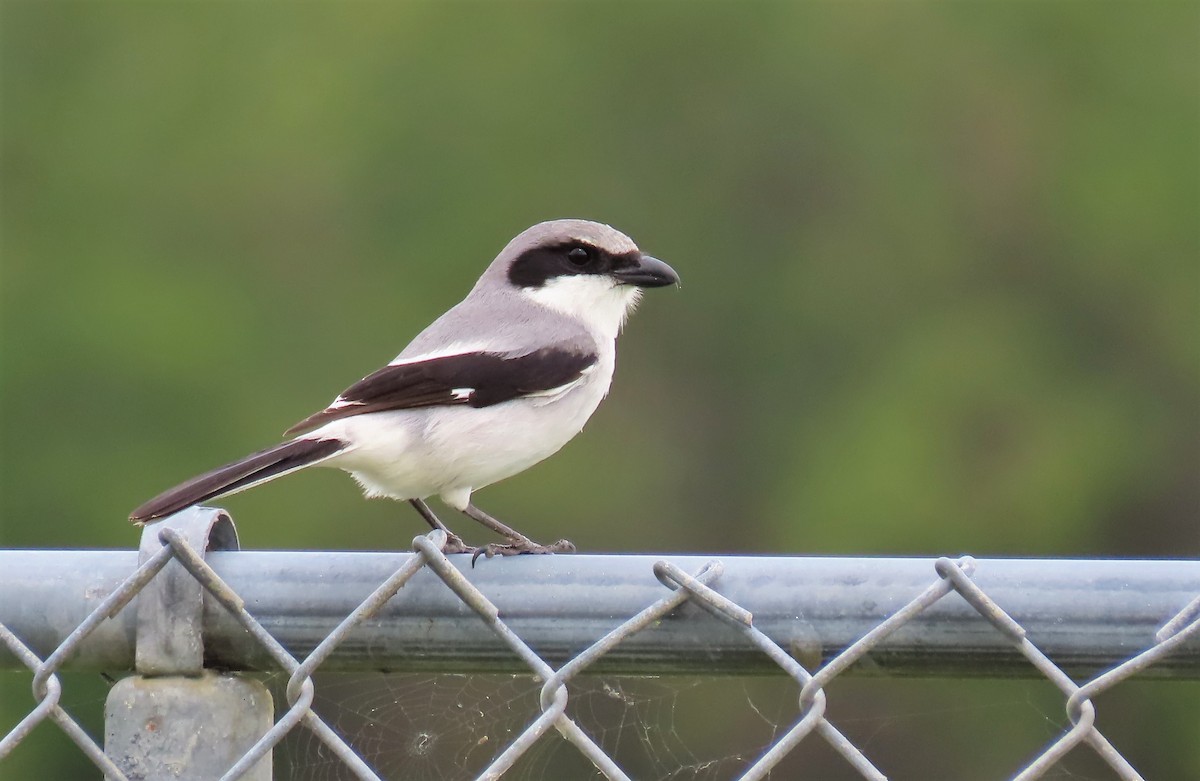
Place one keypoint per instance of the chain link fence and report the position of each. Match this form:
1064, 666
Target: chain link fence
812, 619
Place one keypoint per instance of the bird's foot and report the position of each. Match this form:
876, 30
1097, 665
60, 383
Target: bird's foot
518, 547
455, 544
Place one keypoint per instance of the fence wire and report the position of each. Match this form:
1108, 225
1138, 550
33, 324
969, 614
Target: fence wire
949, 579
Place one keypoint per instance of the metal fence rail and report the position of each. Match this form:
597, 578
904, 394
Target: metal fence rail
190, 603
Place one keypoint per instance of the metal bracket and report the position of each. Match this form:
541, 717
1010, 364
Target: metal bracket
170, 609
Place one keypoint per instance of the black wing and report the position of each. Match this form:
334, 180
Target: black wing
476, 379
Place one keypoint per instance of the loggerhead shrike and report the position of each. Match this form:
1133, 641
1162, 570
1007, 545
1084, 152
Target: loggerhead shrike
498, 383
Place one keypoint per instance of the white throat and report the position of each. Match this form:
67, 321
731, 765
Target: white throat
598, 302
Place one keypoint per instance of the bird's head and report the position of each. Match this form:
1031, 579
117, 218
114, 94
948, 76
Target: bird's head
583, 269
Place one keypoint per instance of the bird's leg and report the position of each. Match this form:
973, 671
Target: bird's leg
454, 543
518, 543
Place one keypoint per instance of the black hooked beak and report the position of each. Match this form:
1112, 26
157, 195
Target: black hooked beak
646, 272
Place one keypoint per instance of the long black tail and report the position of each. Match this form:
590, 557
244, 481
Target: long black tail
250, 471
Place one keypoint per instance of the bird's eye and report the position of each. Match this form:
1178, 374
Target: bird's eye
579, 256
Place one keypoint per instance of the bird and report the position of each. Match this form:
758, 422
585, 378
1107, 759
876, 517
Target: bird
498, 383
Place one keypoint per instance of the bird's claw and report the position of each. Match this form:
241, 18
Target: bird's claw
518, 547
455, 544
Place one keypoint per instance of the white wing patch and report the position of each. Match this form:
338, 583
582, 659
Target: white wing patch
553, 394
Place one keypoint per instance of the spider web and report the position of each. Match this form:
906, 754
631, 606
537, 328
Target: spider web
676, 728
434, 727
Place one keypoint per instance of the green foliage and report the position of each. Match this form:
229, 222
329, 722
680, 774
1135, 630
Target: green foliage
940, 278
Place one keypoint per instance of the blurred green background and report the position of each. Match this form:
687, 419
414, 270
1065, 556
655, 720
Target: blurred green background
941, 289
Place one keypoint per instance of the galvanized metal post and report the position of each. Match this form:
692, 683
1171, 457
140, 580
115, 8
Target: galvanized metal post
175, 719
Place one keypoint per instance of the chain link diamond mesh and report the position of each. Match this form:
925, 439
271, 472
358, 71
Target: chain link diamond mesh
949, 579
